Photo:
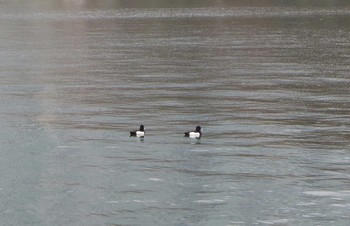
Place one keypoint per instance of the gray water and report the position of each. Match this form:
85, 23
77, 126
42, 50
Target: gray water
267, 81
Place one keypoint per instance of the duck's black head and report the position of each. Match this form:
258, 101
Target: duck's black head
142, 128
198, 129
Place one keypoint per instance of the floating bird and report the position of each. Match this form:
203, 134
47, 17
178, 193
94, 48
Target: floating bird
138, 133
194, 134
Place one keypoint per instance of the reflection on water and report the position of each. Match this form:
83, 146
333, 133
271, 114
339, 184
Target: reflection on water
269, 85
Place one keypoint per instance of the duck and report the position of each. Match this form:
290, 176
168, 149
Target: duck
194, 134
138, 133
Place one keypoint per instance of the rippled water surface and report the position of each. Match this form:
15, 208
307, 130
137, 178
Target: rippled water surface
269, 84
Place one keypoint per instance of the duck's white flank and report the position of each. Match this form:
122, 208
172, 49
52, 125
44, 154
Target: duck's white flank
140, 133
194, 134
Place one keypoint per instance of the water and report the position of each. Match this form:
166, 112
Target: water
268, 82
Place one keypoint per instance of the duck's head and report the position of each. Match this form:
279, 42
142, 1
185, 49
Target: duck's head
142, 128
198, 129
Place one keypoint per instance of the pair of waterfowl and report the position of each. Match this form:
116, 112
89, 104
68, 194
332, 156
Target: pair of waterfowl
192, 134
